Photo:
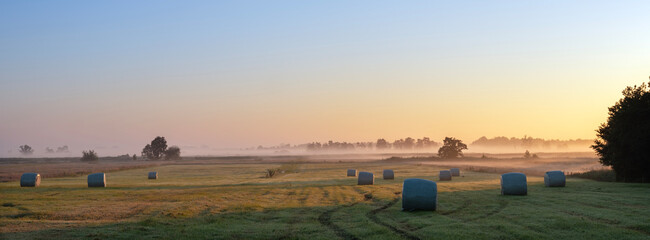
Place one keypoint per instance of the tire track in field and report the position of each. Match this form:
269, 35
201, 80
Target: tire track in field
325, 219
372, 215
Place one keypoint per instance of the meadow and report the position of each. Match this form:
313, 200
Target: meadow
315, 200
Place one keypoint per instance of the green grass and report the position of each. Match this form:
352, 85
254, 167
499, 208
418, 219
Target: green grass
315, 201
605, 175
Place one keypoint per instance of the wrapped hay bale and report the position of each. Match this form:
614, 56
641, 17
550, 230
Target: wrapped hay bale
97, 180
419, 194
445, 175
352, 172
514, 184
554, 179
366, 178
389, 174
153, 175
455, 172
30, 180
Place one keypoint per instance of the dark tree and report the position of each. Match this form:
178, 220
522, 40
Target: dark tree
624, 140
146, 152
451, 148
173, 153
527, 154
89, 155
26, 149
156, 149
135, 157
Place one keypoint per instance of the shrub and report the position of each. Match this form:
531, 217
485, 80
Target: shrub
604, 175
26, 149
271, 172
89, 155
527, 154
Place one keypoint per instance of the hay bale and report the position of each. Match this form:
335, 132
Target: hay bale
30, 180
97, 180
554, 179
455, 172
352, 172
366, 178
445, 175
419, 194
389, 174
514, 184
153, 175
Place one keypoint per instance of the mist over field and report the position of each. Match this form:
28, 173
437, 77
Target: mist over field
402, 145
364, 119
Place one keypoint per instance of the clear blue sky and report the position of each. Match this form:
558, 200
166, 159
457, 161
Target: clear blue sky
115, 74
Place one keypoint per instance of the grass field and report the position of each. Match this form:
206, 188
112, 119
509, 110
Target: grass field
317, 201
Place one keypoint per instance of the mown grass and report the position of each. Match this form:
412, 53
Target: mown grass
315, 201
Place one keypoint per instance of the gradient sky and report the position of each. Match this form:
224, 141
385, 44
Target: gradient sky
112, 75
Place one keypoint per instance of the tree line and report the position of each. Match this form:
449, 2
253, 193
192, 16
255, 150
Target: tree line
529, 142
381, 144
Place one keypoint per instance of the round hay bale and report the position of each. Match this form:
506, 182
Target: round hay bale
366, 178
97, 180
352, 172
153, 175
389, 174
30, 180
455, 172
554, 179
445, 175
419, 194
514, 184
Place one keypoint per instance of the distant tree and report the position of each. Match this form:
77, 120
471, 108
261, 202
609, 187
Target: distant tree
527, 154
409, 143
451, 148
89, 155
63, 149
135, 157
382, 144
26, 149
483, 156
535, 156
623, 140
527, 141
173, 153
398, 144
156, 149
49, 150
425, 142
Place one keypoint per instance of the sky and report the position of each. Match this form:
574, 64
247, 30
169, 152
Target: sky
112, 75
